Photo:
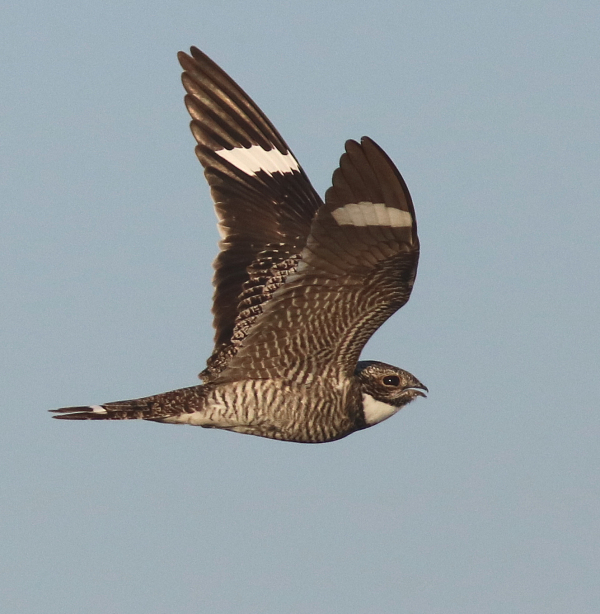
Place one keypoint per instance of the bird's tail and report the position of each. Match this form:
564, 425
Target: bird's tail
124, 410
156, 407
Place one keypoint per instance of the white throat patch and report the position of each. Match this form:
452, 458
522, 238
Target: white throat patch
377, 411
253, 159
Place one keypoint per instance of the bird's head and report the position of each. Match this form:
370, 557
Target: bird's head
385, 389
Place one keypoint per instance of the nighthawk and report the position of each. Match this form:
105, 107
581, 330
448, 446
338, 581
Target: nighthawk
300, 284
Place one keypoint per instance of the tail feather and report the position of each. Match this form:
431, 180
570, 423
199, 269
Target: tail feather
91, 412
125, 410
157, 407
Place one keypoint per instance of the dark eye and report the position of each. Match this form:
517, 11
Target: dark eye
391, 380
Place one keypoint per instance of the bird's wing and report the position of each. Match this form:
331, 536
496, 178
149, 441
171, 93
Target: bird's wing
357, 268
264, 201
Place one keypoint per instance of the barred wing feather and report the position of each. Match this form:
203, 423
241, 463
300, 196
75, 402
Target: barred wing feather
357, 268
264, 201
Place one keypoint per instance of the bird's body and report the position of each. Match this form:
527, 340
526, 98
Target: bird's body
300, 285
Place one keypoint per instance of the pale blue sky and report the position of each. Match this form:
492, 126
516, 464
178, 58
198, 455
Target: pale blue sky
482, 498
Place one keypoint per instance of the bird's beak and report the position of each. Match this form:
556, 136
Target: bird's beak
417, 387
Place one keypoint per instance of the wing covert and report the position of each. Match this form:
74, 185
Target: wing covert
356, 269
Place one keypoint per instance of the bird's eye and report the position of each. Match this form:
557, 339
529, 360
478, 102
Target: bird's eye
391, 380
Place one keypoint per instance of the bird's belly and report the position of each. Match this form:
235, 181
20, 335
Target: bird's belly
277, 410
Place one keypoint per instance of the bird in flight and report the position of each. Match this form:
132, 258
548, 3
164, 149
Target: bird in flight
300, 285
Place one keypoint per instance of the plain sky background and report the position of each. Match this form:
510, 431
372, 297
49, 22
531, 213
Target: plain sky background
483, 498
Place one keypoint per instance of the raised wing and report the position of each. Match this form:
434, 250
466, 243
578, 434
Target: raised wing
264, 201
357, 268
